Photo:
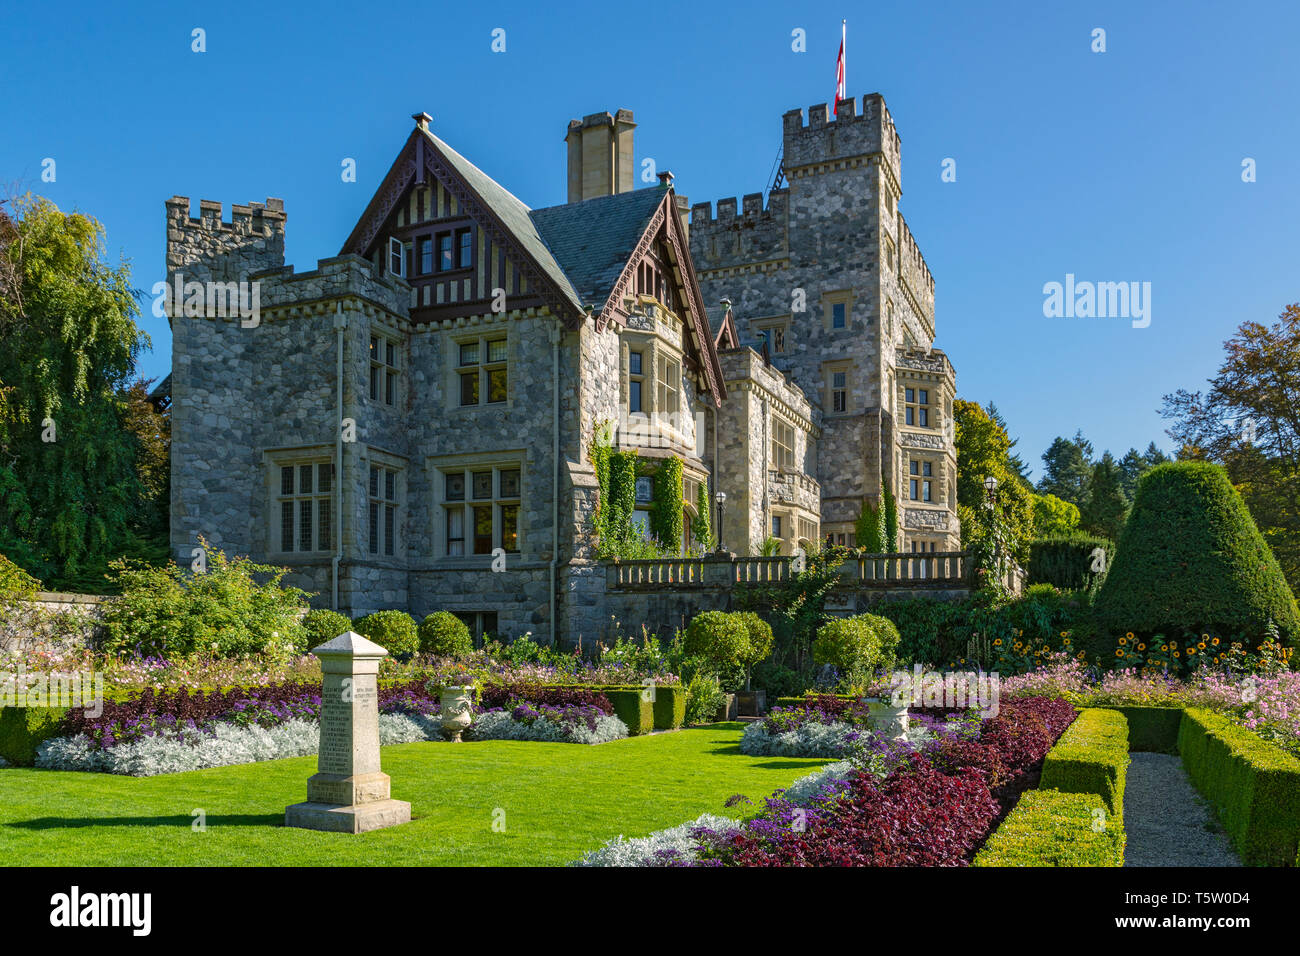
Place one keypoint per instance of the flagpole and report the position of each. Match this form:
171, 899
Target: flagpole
844, 35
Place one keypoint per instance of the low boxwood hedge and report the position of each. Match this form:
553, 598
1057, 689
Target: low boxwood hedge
669, 706
1253, 785
1091, 757
1151, 729
631, 705
23, 729
1051, 828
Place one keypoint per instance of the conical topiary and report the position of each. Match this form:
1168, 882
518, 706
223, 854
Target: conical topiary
1190, 561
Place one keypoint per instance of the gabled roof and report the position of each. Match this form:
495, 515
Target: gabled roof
726, 337
514, 215
593, 239
494, 201
582, 254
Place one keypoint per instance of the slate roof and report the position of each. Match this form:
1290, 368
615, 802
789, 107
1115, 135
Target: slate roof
514, 215
593, 239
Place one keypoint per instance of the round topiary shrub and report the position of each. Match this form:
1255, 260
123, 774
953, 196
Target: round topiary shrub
857, 646
717, 636
760, 636
395, 631
445, 635
323, 625
1191, 561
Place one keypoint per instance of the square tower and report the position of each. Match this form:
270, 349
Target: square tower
829, 275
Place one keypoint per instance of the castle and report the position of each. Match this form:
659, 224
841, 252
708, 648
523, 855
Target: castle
410, 424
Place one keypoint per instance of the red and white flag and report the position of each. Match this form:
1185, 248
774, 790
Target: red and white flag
839, 71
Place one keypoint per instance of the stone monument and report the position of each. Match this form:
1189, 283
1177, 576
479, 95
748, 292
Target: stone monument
348, 793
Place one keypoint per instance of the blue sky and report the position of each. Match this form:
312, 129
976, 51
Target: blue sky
1115, 166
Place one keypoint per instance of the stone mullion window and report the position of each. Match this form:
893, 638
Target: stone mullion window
783, 445
304, 506
481, 509
383, 369
482, 371
636, 381
383, 511
838, 388
919, 411
921, 482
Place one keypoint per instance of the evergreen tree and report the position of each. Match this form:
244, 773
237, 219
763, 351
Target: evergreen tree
1068, 468
1107, 506
1016, 463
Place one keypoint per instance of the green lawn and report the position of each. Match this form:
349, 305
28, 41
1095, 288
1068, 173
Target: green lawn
559, 801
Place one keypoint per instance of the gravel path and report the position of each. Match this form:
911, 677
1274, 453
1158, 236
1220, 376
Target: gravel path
1167, 821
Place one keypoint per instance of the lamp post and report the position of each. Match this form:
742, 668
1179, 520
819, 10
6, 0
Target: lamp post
721, 499
991, 491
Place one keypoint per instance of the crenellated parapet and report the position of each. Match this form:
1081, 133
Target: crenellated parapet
754, 233
824, 140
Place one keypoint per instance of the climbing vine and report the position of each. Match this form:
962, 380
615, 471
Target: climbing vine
666, 522
701, 527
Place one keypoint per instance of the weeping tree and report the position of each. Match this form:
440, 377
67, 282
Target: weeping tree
69, 486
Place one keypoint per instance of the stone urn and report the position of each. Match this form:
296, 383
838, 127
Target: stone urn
887, 717
457, 710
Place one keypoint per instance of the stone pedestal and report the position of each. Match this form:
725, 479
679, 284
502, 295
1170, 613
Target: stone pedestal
348, 793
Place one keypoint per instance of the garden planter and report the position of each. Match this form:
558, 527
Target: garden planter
457, 711
751, 703
888, 718
729, 710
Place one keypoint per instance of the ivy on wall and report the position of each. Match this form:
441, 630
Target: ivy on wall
701, 527
666, 521
890, 507
616, 484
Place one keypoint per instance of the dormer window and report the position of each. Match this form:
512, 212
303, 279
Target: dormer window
396, 257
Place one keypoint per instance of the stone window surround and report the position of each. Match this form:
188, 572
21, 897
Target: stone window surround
482, 333
835, 297
771, 325
653, 348
829, 369
378, 458
794, 520
275, 459
795, 463
939, 405
386, 336
940, 478
437, 468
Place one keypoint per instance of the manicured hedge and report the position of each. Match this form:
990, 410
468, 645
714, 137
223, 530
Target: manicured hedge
1253, 786
1066, 562
631, 707
1151, 729
669, 706
1051, 828
23, 729
1092, 758
1192, 561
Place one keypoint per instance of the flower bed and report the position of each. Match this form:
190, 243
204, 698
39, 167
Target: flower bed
1266, 703
171, 732
892, 804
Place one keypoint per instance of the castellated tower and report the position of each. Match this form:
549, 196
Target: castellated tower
829, 274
